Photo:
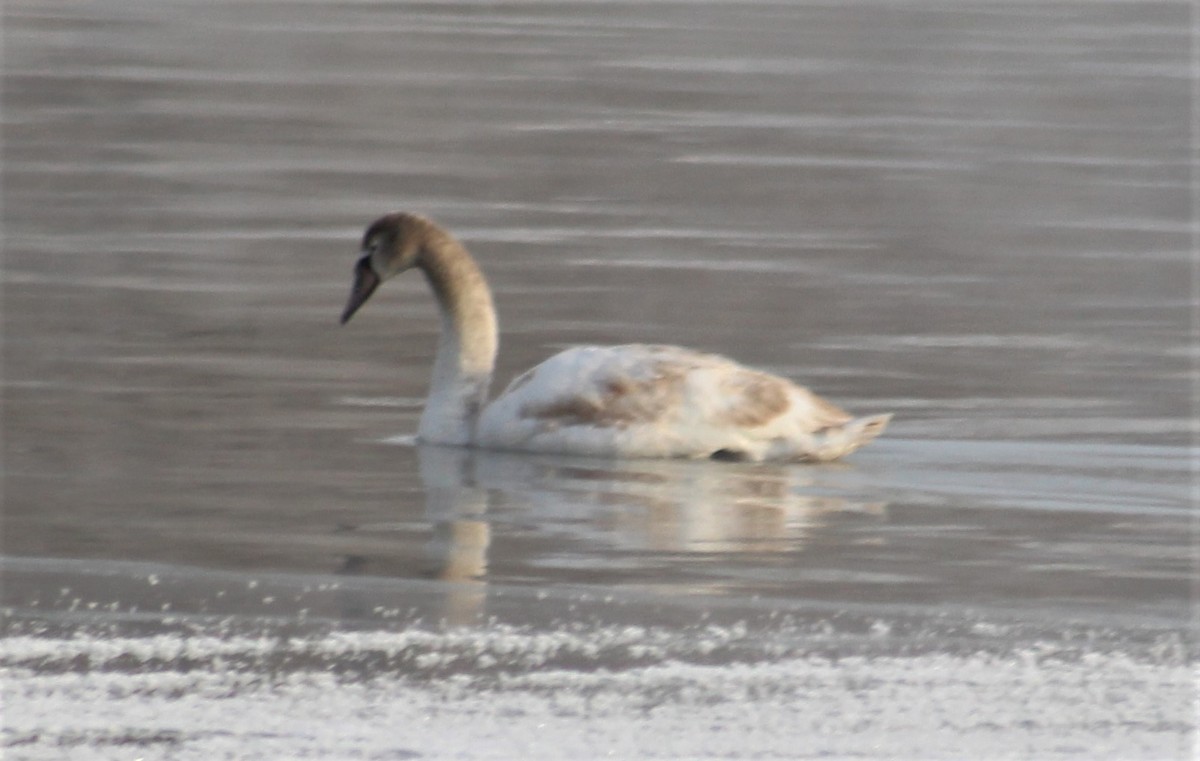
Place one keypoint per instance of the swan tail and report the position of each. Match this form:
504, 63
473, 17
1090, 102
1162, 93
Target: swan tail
841, 441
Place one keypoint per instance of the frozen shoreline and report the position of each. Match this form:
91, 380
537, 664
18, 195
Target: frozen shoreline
377, 695
593, 675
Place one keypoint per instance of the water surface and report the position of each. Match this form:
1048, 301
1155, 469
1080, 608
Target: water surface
976, 216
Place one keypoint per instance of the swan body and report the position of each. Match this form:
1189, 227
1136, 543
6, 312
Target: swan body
633, 400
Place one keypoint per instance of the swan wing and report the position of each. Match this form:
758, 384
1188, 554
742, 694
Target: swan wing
646, 400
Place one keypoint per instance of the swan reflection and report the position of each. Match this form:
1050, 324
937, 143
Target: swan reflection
664, 506
546, 520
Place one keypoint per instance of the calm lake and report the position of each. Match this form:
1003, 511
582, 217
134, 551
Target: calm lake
221, 541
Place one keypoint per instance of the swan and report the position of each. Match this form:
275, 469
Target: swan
634, 400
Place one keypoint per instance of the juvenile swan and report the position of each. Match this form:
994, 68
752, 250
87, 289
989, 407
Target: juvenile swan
619, 401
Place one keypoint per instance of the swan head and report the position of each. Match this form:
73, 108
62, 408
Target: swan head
391, 245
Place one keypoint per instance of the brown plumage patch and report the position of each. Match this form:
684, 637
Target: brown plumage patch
621, 402
573, 410
754, 399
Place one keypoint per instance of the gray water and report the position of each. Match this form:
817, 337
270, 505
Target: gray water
221, 541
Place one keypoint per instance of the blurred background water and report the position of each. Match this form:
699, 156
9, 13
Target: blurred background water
976, 215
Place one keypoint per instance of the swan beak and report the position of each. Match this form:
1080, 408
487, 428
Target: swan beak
365, 283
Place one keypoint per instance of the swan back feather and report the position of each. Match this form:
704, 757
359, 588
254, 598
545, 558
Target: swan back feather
656, 401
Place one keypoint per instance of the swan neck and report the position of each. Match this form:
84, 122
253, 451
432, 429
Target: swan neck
466, 354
